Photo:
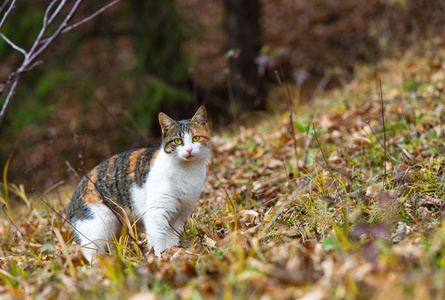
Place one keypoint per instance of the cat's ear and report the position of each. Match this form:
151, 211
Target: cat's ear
200, 116
166, 122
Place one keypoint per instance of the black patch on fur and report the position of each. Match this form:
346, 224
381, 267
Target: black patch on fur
143, 166
113, 183
77, 209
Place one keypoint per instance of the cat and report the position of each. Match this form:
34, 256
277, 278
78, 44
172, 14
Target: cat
157, 187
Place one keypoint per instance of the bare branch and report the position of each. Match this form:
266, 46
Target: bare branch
44, 26
6, 13
45, 16
91, 16
56, 12
3, 5
8, 99
40, 44
13, 45
56, 33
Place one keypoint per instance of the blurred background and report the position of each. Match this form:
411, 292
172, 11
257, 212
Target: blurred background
101, 86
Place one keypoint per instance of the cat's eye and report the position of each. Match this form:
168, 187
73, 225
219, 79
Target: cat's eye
195, 138
178, 141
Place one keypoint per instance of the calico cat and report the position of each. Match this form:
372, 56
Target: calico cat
157, 188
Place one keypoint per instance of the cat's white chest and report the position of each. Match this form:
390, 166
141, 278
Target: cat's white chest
171, 186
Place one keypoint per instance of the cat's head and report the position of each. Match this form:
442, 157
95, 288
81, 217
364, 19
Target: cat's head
188, 140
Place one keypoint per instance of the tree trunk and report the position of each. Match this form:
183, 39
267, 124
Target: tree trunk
244, 41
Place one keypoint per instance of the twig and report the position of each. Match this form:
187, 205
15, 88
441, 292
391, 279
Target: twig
384, 127
32, 55
289, 104
91, 16
373, 132
8, 99
3, 5
6, 13
57, 32
13, 45
55, 13
45, 25
40, 45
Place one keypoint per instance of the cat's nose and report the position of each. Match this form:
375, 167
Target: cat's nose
189, 151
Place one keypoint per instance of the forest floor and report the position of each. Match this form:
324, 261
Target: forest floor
345, 202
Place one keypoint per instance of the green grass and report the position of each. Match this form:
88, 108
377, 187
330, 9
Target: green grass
349, 224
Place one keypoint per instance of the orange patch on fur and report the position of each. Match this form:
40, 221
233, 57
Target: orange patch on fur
92, 198
201, 131
91, 195
133, 161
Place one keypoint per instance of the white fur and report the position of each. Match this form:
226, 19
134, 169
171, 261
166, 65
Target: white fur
172, 188
162, 204
97, 231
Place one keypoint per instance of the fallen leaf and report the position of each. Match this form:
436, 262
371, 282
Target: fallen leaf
430, 201
144, 296
373, 191
400, 233
209, 242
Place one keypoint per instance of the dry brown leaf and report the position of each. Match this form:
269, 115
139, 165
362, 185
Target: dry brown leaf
373, 191
385, 198
252, 230
424, 213
144, 296
400, 233
209, 242
427, 200
248, 217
